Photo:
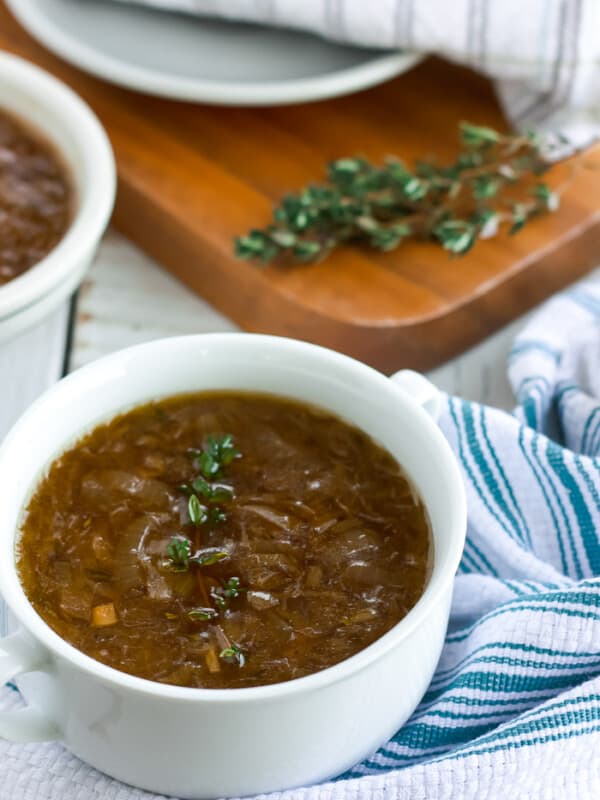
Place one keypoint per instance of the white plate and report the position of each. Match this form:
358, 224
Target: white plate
190, 58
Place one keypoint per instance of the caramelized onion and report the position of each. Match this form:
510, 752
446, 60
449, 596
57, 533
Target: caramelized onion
326, 546
281, 521
261, 600
105, 488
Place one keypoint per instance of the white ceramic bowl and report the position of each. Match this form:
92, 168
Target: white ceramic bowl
49, 107
199, 743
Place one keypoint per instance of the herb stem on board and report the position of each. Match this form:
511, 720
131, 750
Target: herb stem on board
494, 181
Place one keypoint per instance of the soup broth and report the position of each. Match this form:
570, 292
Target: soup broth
224, 540
35, 199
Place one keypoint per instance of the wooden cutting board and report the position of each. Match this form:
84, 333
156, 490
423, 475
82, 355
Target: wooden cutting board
191, 177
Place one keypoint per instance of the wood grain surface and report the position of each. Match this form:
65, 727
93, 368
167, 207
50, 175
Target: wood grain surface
191, 177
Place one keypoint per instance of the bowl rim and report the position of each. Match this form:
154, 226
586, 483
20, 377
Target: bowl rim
438, 584
94, 204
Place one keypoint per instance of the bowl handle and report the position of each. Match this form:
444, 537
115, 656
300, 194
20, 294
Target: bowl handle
420, 390
19, 655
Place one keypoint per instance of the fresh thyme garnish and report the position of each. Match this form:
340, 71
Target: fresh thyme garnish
202, 614
229, 590
213, 493
219, 453
383, 206
180, 558
208, 556
233, 655
197, 512
179, 551
232, 588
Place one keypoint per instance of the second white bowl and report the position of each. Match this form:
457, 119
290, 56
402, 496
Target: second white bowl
48, 107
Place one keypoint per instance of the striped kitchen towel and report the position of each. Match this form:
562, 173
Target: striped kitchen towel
513, 710
544, 54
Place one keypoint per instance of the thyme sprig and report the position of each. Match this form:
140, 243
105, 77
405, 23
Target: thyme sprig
227, 591
489, 184
219, 452
233, 655
179, 551
203, 496
180, 557
202, 614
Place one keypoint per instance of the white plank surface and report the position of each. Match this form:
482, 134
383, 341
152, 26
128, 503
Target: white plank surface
31, 363
129, 299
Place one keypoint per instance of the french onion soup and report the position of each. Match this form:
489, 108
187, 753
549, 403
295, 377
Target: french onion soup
35, 199
224, 540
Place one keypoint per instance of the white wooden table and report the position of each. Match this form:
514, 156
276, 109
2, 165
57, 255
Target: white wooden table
128, 299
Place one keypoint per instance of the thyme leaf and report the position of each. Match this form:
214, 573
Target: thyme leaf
218, 452
229, 590
233, 655
179, 550
204, 495
197, 512
202, 614
208, 556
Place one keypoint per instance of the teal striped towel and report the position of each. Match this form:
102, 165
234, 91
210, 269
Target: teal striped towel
514, 708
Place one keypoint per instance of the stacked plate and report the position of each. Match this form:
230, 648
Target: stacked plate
203, 60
